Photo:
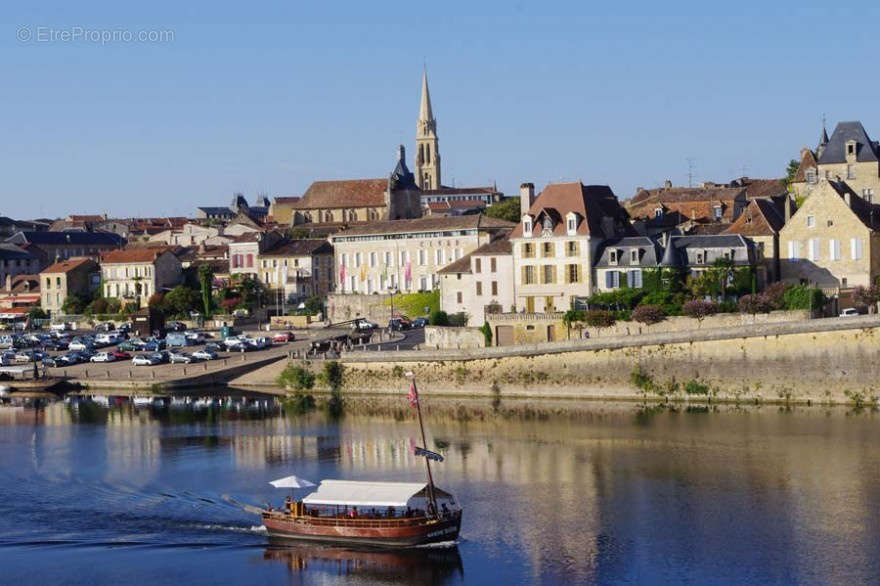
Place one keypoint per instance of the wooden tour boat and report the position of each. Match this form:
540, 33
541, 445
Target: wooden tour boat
378, 514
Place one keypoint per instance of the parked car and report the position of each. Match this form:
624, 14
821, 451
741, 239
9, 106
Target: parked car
364, 325
79, 346
154, 345
62, 327
204, 354
124, 328
180, 357
419, 322
103, 357
52, 361
68, 359
849, 312
105, 327
258, 343
145, 360
283, 337
132, 345
175, 326
240, 313
399, 323
214, 347
120, 355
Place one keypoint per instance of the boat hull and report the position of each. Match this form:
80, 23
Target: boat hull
362, 532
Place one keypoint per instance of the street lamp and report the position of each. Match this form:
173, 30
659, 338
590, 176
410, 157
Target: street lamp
392, 291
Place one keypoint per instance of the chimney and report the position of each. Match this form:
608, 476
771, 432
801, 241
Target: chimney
787, 207
9, 282
526, 197
667, 184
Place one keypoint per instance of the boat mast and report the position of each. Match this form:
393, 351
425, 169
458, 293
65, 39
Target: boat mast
427, 459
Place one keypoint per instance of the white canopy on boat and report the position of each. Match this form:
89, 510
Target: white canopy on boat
364, 494
292, 482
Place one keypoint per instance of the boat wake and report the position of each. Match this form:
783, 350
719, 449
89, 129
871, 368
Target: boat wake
255, 529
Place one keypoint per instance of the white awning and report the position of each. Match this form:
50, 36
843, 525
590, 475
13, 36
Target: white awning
364, 494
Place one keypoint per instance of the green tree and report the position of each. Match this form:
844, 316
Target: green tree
74, 304
487, 333
439, 318
206, 282
790, 172
506, 209
180, 300
36, 312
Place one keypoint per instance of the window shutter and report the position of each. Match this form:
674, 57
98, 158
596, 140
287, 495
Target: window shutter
609, 279
616, 279
638, 279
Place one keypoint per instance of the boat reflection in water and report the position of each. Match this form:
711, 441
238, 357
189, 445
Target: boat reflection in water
436, 564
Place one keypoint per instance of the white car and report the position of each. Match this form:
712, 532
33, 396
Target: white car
204, 355
144, 360
102, 357
849, 312
78, 346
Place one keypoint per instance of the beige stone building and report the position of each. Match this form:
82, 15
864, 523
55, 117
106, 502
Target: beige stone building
832, 241
555, 242
297, 269
761, 223
282, 208
479, 283
75, 276
849, 155
134, 274
192, 234
406, 255
245, 251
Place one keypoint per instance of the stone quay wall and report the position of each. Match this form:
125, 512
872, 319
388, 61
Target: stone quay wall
834, 360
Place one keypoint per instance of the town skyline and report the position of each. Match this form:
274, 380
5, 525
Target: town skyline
160, 126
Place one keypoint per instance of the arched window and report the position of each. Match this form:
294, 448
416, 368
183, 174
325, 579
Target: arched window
427, 153
421, 153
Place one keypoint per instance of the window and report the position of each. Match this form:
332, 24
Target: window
573, 273
528, 275
250, 261
868, 194
612, 279
612, 257
549, 304
634, 256
549, 274
634, 279
458, 297
357, 259
834, 249
479, 288
478, 265
547, 250
528, 250
572, 225
813, 249
527, 228
794, 249
572, 248
851, 148
493, 264
716, 210
423, 257
855, 246
811, 175
494, 288
658, 212
811, 221
388, 258
700, 258
530, 305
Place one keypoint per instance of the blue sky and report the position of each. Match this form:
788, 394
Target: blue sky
269, 97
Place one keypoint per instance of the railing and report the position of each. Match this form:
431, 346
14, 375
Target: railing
349, 522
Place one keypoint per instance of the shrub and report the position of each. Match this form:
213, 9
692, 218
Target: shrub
113, 305
487, 333
296, 377
74, 304
458, 320
439, 318
333, 374
98, 305
695, 387
758, 303
624, 298
774, 295
699, 309
648, 314
803, 297
599, 318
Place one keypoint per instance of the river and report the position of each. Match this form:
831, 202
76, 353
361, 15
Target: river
97, 492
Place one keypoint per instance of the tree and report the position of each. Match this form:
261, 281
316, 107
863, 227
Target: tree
506, 209
790, 172
487, 333
74, 304
313, 305
648, 314
758, 303
439, 318
36, 312
97, 306
180, 300
868, 296
206, 282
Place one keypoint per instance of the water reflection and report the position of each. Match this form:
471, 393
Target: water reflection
429, 565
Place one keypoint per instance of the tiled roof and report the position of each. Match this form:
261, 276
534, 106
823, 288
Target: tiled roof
133, 255
86, 218
835, 150
22, 284
346, 193
462, 265
692, 203
305, 247
760, 187
498, 246
288, 199
460, 191
591, 203
808, 161
426, 224
66, 266
761, 218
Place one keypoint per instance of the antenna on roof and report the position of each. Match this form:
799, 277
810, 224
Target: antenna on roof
691, 167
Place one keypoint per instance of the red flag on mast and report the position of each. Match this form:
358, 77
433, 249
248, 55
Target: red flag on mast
413, 395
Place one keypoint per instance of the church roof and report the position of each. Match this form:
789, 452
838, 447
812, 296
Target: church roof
344, 193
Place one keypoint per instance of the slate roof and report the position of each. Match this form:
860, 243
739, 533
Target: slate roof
648, 255
835, 150
12, 252
462, 265
304, 247
676, 255
72, 238
868, 213
808, 160
425, 224
500, 245
218, 211
591, 203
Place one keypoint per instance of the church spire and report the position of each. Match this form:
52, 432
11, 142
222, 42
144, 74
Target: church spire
425, 112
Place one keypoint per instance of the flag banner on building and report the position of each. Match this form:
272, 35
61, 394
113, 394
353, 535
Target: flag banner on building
413, 395
363, 273
408, 274
342, 273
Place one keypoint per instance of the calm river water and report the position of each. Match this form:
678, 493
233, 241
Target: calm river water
553, 493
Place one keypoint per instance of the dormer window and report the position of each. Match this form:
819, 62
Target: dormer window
658, 213
547, 226
811, 175
700, 258
716, 210
612, 257
571, 223
634, 256
527, 227
850, 148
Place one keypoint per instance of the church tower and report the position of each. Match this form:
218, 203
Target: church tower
427, 155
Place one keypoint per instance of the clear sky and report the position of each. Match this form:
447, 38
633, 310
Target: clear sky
268, 97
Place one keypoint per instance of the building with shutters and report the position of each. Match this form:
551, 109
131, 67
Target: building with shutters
622, 262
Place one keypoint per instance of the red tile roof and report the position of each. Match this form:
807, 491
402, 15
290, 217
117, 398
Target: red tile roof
346, 193
591, 203
66, 266
133, 255
808, 160
287, 200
